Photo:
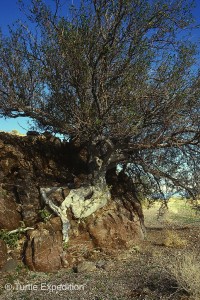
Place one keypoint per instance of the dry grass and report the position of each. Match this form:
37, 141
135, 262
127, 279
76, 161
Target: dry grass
163, 266
185, 269
180, 213
173, 240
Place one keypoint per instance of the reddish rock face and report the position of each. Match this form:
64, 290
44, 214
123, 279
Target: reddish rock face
114, 227
110, 229
3, 253
44, 248
9, 216
30, 162
27, 163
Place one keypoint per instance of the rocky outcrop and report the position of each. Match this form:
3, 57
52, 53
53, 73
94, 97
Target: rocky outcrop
9, 211
32, 162
109, 230
44, 247
114, 228
3, 253
28, 162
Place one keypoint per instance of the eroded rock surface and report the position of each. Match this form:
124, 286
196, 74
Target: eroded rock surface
9, 211
27, 163
44, 247
3, 253
30, 163
114, 228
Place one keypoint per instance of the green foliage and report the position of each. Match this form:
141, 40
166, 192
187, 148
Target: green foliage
11, 239
65, 246
3, 192
45, 214
117, 77
15, 132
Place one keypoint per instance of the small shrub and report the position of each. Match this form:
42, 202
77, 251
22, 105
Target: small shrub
172, 239
65, 246
11, 239
45, 215
185, 270
3, 192
136, 249
16, 132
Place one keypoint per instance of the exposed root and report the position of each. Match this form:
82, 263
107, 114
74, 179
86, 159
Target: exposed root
82, 202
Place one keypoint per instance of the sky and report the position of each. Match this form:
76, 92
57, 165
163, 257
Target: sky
9, 13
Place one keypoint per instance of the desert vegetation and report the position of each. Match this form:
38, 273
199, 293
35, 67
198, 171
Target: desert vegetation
164, 266
114, 76
120, 81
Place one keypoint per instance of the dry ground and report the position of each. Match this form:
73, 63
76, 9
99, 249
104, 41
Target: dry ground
140, 273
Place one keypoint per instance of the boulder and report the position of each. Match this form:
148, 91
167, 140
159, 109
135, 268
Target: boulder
111, 229
3, 253
86, 266
114, 227
28, 196
44, 248
9, 215
28, 164
25, 165
10, 266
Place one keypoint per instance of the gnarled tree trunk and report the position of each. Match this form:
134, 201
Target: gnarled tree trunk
82, 202
87, 199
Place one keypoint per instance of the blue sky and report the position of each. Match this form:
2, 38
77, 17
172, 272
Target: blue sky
9, 12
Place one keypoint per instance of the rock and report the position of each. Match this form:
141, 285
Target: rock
146, 291
58, 197
28, 196
44, 248
10, 266
86, 266
101, 264
32, 133
110, 265
9, 216
54, 224
3, 253
47, 134
28, 164
114, 228
110, 229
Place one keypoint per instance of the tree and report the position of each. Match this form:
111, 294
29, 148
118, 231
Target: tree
119, 77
